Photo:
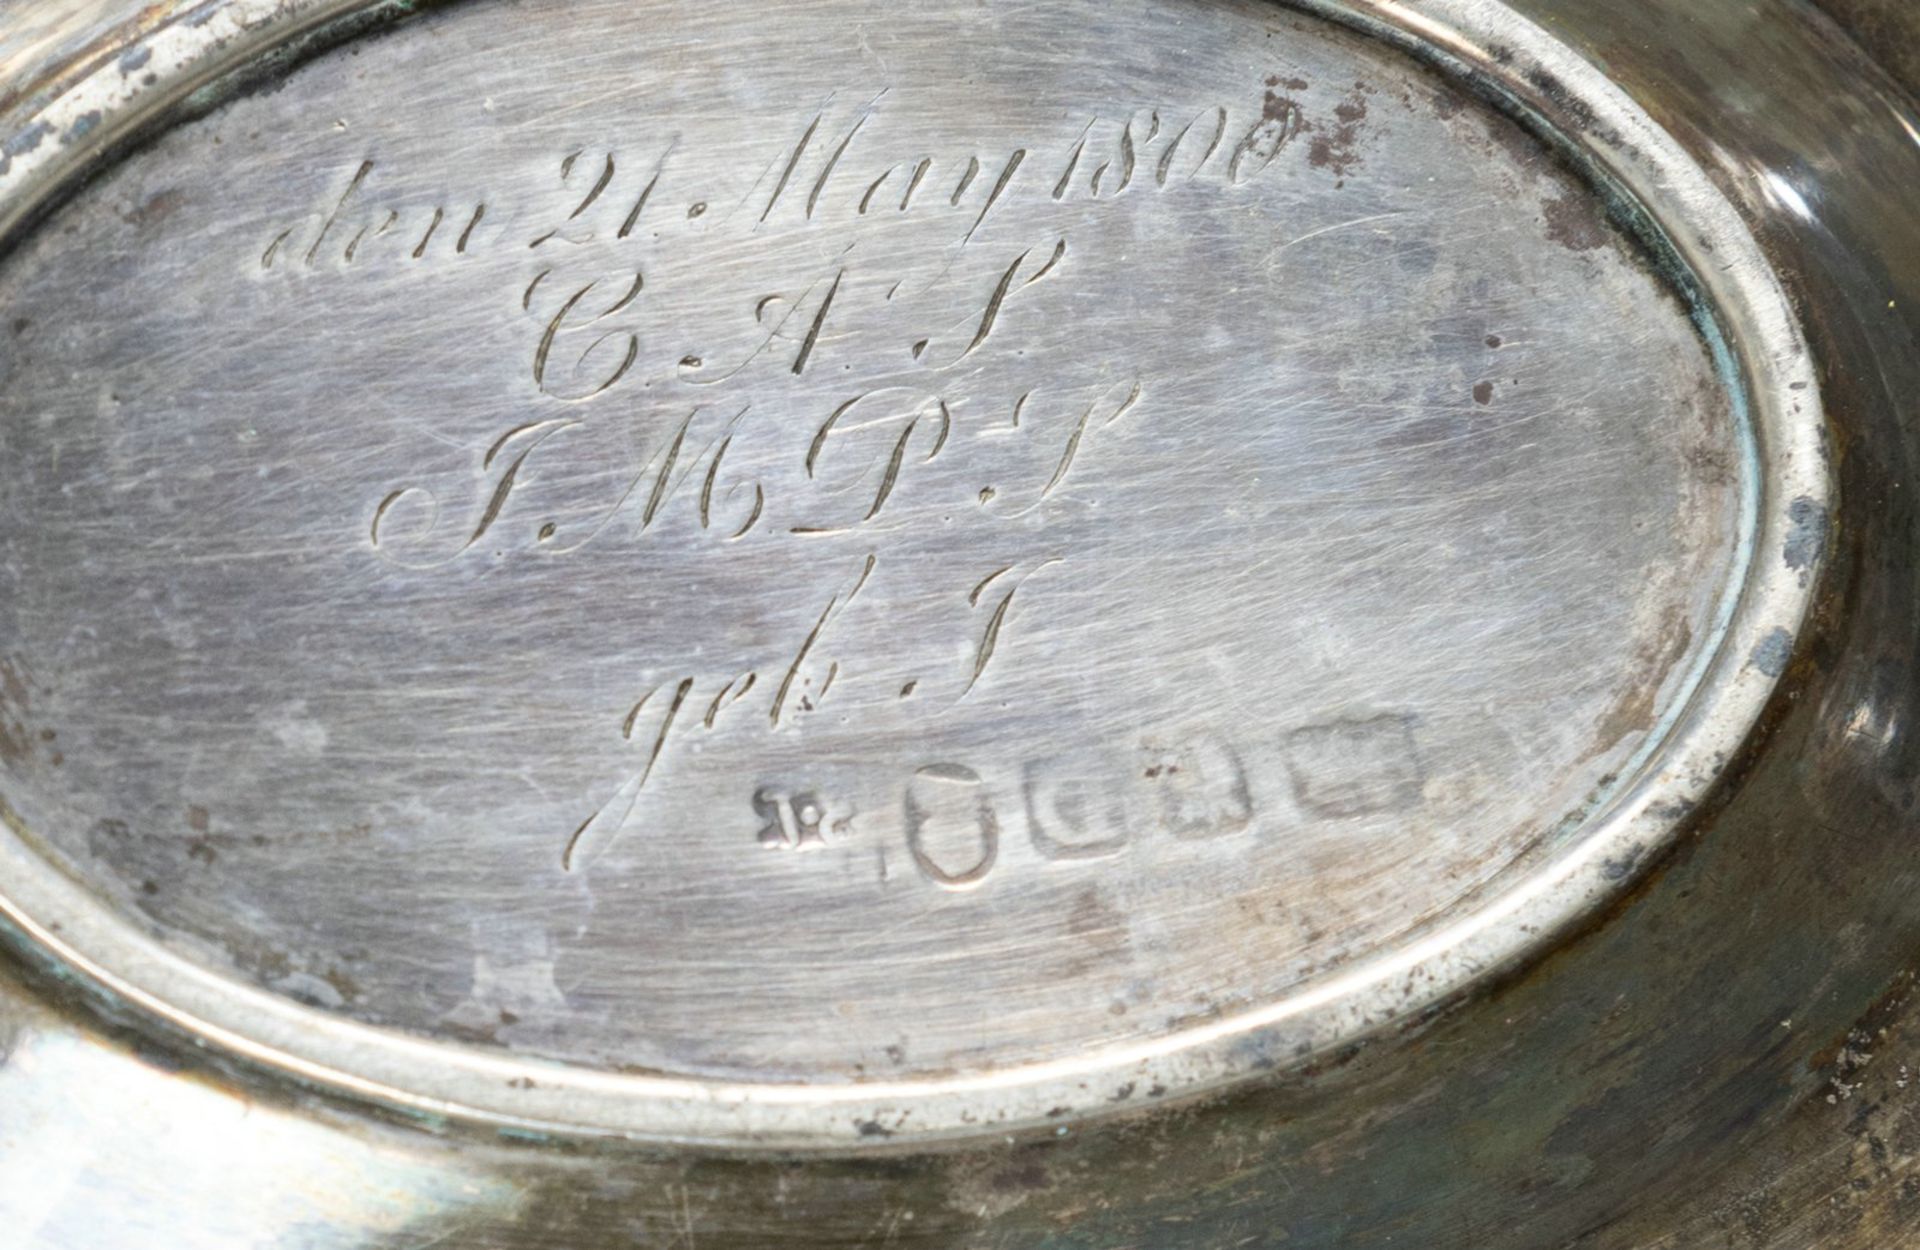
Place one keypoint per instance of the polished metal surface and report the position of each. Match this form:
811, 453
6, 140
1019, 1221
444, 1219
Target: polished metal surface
799, 582
589, 595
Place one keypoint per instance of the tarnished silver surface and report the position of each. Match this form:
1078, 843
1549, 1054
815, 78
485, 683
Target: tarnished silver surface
1186, 566
833, 579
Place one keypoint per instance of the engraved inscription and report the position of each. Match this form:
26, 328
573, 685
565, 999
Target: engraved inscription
676, 396
704, 528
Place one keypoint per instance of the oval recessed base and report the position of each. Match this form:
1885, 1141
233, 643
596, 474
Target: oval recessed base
849, 576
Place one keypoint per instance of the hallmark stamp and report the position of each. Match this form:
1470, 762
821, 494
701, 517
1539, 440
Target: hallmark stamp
1074, 813
1349, 769
1196, 788
952, 827
791, 822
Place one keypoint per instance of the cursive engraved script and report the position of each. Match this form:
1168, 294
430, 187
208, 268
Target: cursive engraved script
867, 372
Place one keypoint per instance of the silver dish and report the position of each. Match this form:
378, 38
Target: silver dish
1171, 623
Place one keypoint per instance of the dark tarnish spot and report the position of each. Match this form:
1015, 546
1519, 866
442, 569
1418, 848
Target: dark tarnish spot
1550, 86
349, 989
1652, 662
1026, 1176
1774, 653
1337, 150
1574, 222
83, 127
1807, 542
15, 708
1101, 936
1093, 915
158, 1056
1483, 393
157, 209
133, 60
1621, 867
1280, 121
1254, 1055
873, 1128
488, 1035
22, 143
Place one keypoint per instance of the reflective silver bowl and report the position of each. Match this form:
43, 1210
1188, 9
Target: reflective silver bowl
1092, 624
